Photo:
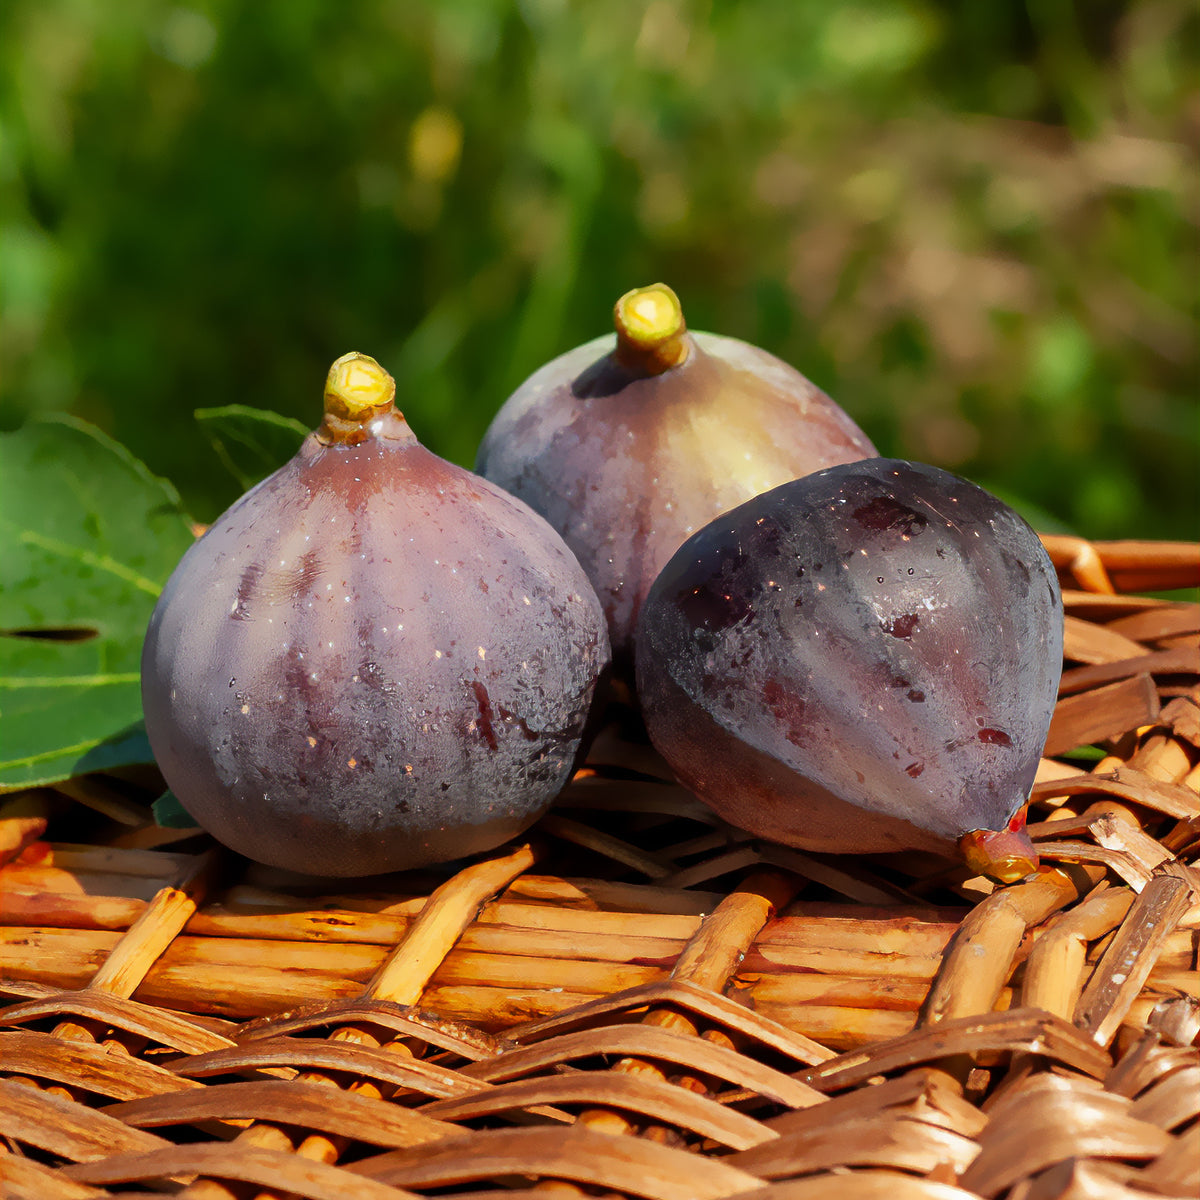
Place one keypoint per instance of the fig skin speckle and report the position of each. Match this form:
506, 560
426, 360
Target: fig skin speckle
374, 660
863, 660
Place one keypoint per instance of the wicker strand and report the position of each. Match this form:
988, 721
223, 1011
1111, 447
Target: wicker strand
708, 960
612, 993
140, 947
401, 979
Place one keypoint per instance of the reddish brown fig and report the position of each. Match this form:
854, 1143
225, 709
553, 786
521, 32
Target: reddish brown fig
863, 660
629, 445
374, 660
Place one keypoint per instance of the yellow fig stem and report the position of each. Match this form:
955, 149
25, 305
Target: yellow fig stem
651, 332
357, 391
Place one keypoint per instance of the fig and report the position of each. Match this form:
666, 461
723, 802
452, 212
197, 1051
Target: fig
374, 660
628, 445
862, 660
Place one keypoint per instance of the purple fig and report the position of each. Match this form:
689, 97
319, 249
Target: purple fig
374, 660
862, 660
628, 445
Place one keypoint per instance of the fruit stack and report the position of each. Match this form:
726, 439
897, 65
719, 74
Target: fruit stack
689, 802
833, 651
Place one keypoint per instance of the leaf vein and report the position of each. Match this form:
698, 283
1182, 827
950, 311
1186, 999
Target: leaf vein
58, 752
102, 562
50, 681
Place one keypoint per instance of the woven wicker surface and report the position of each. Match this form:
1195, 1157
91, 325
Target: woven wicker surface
638, 1002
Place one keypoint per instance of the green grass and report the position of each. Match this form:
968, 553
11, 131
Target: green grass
972, 224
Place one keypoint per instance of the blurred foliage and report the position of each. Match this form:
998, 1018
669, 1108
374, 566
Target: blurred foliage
973, 224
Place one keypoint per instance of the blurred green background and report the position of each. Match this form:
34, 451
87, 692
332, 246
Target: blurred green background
973, 224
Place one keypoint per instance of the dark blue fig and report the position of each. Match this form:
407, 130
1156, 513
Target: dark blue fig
374, 660
861, 660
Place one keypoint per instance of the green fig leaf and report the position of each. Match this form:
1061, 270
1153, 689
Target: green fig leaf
251, 442
170, 814
87, 538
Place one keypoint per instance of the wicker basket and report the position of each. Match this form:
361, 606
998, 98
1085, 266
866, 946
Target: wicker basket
639, 1002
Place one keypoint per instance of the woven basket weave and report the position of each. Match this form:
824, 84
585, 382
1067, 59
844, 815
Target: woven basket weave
639, 1002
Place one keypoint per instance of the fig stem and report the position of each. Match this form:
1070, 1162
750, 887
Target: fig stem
1005, 855
357, 390
651, 332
